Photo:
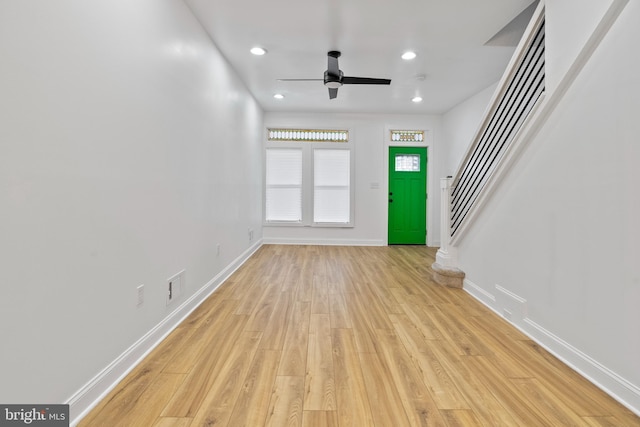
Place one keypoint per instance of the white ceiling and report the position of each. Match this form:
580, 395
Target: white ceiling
461, 49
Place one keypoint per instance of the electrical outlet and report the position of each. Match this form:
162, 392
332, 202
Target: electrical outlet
175, 286
140, 295
250, 234
218, 249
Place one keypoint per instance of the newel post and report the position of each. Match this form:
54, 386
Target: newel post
445, 269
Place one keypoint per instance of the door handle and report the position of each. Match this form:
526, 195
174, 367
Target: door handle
390, 200
391, 194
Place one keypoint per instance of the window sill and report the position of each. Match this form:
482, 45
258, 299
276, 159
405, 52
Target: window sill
313, 225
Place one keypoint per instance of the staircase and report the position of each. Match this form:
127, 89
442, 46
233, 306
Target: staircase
518, 94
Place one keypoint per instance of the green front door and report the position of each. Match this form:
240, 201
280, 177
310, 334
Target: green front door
407, 195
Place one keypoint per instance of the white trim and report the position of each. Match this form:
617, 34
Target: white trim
604, 378
308, 148
480, 294
322, 242
87, 397
619, 388
514, 307
447, 255
432, 237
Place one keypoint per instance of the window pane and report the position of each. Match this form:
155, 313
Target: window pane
407, 163
283, 185
284, 166
331, 205
331, 186
331, 167
283, 204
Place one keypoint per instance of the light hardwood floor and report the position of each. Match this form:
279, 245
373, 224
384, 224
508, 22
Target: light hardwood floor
350, 336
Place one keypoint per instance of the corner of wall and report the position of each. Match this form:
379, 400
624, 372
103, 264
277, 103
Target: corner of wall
85, 399
513, 309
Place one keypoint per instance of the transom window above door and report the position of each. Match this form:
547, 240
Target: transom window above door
307, 135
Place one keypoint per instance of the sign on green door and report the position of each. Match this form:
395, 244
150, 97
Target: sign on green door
407, 195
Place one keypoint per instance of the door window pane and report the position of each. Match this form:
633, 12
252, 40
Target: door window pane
407, 163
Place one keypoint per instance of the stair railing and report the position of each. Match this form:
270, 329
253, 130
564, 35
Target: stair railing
519, 91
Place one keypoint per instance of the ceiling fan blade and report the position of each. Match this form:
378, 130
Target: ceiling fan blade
300, 80
364, 81
332, 65
334, 78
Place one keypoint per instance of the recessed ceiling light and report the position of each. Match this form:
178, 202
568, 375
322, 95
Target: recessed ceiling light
258, 51
416, 99
408, 55
278, 96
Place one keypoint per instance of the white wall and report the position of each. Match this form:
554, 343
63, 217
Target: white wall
562, 230
568, 25
370, 134
459, 126
128, 150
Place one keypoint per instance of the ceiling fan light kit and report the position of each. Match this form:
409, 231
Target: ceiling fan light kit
334, 78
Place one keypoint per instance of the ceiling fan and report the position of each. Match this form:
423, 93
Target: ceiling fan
334, 77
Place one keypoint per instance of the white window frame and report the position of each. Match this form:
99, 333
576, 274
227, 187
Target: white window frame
308, 185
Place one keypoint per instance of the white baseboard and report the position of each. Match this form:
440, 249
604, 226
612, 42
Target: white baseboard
619, 388
97, 388
611, 383
323, 242
480, 294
